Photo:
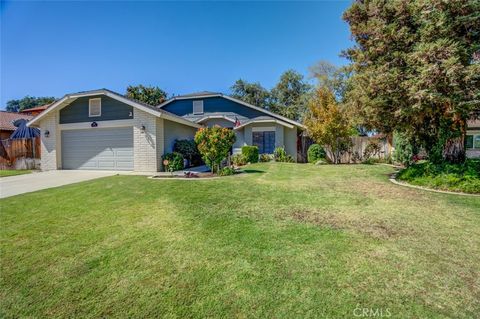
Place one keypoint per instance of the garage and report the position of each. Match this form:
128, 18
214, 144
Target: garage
98, 149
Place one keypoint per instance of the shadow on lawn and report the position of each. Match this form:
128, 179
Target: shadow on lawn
251, 171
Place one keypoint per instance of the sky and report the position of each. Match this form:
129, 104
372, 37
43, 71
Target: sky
55, 48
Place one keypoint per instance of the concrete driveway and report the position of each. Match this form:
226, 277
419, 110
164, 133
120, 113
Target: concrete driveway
20, 184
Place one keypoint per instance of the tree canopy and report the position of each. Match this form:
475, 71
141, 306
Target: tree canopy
288, 97
415, 67
252, 93
28, 102
327, 124
151, 95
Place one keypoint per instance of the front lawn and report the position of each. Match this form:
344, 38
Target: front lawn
281, 241
13, 172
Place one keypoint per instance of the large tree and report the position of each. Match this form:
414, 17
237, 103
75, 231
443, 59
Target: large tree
151, 95
28, 102
252, 93
328, 124
415, 69
290, 95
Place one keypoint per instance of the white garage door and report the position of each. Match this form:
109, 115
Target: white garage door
102, 149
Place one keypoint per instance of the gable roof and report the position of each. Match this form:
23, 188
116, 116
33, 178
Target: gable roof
69, 98
7, 119
36, 108
206, 94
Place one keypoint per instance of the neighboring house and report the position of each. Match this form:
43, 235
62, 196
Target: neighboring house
105, 130
34, 111
6, 123
472, 139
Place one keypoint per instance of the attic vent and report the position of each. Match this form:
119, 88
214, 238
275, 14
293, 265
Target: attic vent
95, 107
198, 107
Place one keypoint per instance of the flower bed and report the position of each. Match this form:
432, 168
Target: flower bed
463, 177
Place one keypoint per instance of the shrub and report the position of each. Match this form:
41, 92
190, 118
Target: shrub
279, 154
172, 162
250, 153
315, 152
239, 159
266, 158
404, 150
464, 177
227, 170
372, 149
214, 143
189, 150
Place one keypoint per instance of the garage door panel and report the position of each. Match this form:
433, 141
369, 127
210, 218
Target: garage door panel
104, 149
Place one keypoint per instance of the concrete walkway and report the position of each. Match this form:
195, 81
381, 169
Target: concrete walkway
20, 184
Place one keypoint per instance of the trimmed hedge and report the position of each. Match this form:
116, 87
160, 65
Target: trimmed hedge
315, 153
250, 153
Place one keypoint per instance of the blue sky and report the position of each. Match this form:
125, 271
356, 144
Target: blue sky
54, 48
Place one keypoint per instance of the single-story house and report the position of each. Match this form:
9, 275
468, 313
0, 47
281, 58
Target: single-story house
34, 111
472, 139
105, 130
6, 123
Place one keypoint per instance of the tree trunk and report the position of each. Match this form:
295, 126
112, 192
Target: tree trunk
454, 150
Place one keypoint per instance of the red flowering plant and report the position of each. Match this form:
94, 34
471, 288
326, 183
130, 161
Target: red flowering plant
214, 143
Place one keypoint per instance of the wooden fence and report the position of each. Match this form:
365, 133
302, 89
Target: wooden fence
357, 154
20, 153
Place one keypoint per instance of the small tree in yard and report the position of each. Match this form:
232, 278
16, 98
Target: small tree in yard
214, 143
327, 124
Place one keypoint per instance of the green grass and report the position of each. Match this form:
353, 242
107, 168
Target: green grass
12, 172
463, 177
283, 241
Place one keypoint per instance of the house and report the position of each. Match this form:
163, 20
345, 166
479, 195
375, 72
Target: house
34, 111
105, 130
472, 138
6, 123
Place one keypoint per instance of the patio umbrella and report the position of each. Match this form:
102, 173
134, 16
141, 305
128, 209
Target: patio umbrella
23, 131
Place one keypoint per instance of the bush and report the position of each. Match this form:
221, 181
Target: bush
227, 170
239, 159
250, 153
214, 143
404, 150
315, 152
280, 155
266, 158
463, 177
373, 148
189, 150
172, 162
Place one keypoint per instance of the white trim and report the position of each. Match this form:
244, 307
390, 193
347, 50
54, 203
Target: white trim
211, 117
90, 107
263, 129
101, 124
117, 97
234, 100
263, 121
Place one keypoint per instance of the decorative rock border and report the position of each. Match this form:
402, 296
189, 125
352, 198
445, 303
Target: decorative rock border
393, 179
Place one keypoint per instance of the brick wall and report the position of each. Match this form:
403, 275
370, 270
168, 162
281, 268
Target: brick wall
49, 151
144, 143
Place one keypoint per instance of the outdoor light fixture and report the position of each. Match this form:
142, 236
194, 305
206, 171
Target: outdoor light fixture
142, 128
47, 133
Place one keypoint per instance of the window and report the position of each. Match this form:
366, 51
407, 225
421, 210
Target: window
95, 107
265, 141
197, 107
472, 141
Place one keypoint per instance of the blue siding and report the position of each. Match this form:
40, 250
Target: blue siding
112, 109
211, 105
